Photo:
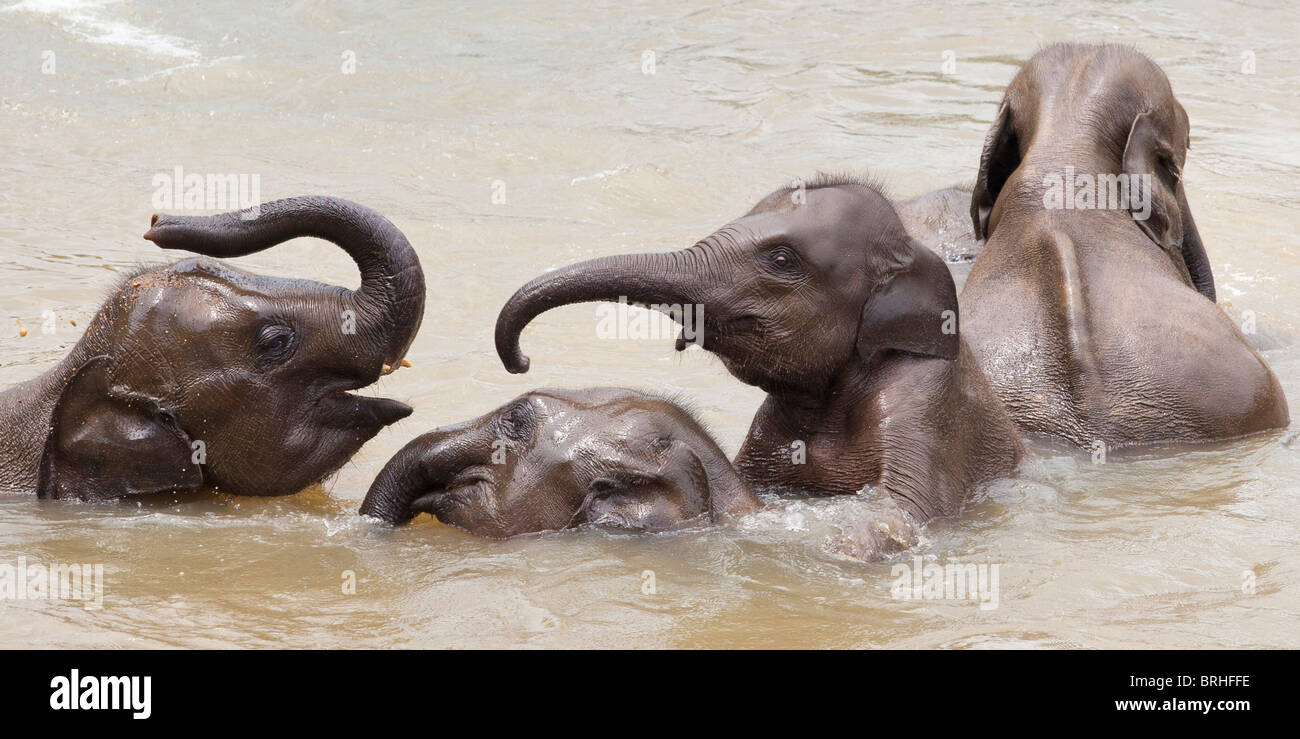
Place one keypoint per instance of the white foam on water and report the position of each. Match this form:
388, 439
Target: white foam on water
120, 81
91, 20
620, 169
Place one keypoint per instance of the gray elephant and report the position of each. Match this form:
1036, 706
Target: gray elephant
820, 297
941, 221
1091, 307
557, 459
201, 374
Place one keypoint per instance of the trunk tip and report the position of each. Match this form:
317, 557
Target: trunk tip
384, 503
507, 341
387, 519
164, 231
516, 365
152, 233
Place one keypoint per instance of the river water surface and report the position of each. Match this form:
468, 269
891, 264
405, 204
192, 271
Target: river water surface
506, 138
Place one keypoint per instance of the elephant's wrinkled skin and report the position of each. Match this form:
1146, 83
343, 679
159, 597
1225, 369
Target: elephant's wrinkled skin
1099, 325
556, 459
201, 374
822, 299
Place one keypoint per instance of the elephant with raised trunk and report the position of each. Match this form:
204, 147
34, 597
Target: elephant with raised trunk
557, 459
200, 374
820, 297
1093, 315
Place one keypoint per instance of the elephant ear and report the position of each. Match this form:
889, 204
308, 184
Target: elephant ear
1158, 202
1000, 157
1149, 162
914, 311
108, 442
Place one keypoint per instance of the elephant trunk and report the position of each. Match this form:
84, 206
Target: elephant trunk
390, 301
660, 281
420, 471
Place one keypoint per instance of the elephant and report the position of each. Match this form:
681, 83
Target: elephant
198, 374
1093, 314
940, 220
819, 297
558, 459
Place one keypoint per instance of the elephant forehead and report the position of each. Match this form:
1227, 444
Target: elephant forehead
187, 308
612, 418
239, 285
592, 453
204, 267
560, 425
601, 405
863, 218
834, 225
547, 418
586, 397
568, 434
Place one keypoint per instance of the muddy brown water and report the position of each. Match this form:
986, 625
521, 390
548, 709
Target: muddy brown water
555, 109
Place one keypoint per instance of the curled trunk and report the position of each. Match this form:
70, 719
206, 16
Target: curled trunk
421, 470
390, 301
640, 279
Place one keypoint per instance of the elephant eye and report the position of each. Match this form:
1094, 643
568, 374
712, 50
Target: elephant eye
782, 259
516, 421
275, 342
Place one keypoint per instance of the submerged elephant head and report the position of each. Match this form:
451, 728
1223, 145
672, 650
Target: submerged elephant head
1125, 122
813, 278
199, 373
555, 459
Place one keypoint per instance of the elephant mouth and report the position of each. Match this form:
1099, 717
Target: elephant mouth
714, 334
344, 409
436, 503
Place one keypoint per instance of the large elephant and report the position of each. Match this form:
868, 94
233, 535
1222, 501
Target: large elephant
556, 459
201, 374
819, 297
1091, 307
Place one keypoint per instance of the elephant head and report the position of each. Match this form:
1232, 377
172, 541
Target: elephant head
200, 373
813, 279
555, 459
1134, 127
